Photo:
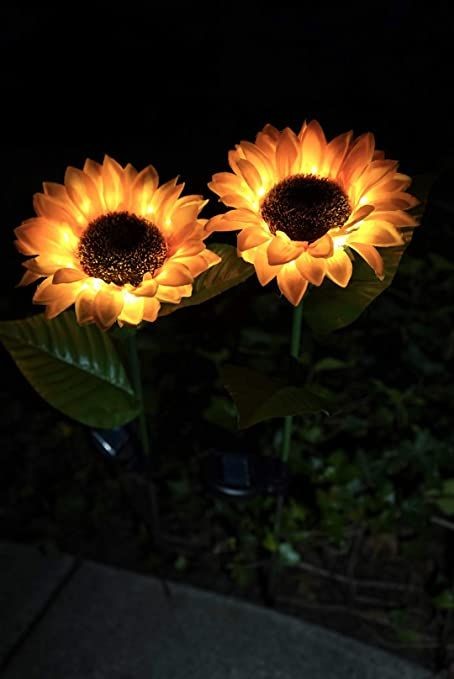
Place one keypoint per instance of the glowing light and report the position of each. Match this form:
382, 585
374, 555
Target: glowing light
96, 284
339, 242
261, 191
344, 163
128, 298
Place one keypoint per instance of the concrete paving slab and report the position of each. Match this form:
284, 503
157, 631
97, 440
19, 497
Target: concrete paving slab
112, 624
27, 581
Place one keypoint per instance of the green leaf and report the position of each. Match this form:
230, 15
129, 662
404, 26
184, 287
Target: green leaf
445, 499
288, 555
328, 364
225, 275
259, 397
75, 369
445, 600
330, 307
270, 543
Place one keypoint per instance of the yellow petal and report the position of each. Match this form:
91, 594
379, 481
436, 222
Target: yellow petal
371, 256
226, 183
187, 247
174, 273
186, 210
381, 234
251, 237
374, 174
281, 249
287, 150
196, 264
142, 190
243, 218
211, 258
83, 192
267, 140
250, 175
236, 200
220, 223
68, 275
259, 159
46, 264
112, 184
173, 295
129, 175
358, 157
323, 247
302, 131
258, 257
164, 203
132, 312
313, 146
335, 153
46, 206
358, 215
84, 306
94, 171
107, 307
395, 201
39, 234
339, 268
28, 278
56, 297
291, 283
312, 269
146, 289
151, 308
396, 217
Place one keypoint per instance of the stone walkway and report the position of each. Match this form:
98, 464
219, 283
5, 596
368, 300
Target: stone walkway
60, 619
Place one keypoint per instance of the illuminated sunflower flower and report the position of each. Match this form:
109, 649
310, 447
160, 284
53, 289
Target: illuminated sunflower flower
114, 243
301, 201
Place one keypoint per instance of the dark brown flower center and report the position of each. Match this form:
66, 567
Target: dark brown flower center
120, 248
305, 207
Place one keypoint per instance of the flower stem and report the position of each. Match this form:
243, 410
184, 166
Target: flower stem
295, 347
136, 375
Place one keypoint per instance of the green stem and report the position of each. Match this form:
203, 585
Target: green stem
295, 348
136, 376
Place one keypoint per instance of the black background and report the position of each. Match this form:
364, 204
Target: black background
178, 86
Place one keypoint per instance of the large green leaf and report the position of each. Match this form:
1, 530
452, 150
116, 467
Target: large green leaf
225, 275
75, 369
330, 307
259, 397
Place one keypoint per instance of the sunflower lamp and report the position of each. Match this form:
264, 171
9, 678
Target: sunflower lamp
112, 250
328, 221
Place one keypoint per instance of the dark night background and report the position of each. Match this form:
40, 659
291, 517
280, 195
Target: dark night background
177, 87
